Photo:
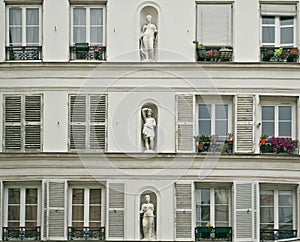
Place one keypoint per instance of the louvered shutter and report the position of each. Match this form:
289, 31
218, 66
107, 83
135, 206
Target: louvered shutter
185, 126
77, 122
56, 210
244, 106
1, 205
245, 211
183, 211
97, 122
44, 209
116, 211
12, 127
33, 110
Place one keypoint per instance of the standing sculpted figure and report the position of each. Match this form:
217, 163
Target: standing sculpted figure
148, 128
148, 39
148, 219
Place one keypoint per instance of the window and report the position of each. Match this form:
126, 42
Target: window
88, 25
277, 212
22, 122
278, 24
213, 206
277, 120
212, 31
87, 129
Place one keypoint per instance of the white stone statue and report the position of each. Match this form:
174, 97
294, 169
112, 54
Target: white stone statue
148, 40
148, 219
148, 129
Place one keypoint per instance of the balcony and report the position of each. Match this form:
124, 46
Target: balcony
272, 54
23, 53
213, 144
82, 51
277, 234
86, 233
213, 233
214, 54
21, 233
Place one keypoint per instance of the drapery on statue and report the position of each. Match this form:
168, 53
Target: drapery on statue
148, 219
148, 128
148, 40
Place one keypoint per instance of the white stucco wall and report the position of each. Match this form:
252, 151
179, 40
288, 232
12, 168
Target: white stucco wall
2, 31
56, 30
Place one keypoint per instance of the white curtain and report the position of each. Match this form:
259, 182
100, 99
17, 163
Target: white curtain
79, 25
15, 26
32, 26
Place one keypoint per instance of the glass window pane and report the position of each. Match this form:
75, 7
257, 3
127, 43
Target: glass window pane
14, 213
32, 35
268, 20
14, 196
96, 35
268, 128
15, 35
95, 213
204, 127
286, 21
268, 34
96, 16
78, 196
285, 198
95, 196
266, 198
221, 213
285, 129
202, 196
287, 35
78, 213
31, 196
221, 128
267, 215
268, 113
32, 16
221, 196
221, 111
79, 16
285, 112
15, 16
79, 34
204, 111
31, 212
205, 213
286, 215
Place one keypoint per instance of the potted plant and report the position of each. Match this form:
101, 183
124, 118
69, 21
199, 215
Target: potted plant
263, 139
230, 142
201, 51
203, 143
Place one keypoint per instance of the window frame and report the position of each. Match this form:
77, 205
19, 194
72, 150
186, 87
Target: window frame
212, 188
277, 31
22, 188
86, 203
24, 24
88, 24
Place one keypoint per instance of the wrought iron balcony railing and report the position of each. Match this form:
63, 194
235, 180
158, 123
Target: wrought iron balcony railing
216, 54
213, 233
272, 54
86, 233
277, 234
21, 233
82, 51
23, 53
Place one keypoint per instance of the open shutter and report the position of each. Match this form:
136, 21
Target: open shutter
185, 127
33, 108
77, 122
44, 210
245, 211
244, 110
56, 210
116, 211
183, 211
12, 126
1, 206
98, 122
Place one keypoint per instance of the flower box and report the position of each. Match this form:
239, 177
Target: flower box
279, 145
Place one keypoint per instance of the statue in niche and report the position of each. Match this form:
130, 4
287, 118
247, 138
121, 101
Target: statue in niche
148, 219
148, 40
148, 129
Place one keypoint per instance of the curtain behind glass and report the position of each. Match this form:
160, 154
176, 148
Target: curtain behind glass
79, 25
15, 26
96, 26
32, 26
31, 207
78, 207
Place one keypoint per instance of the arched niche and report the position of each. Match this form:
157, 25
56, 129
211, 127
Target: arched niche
154, 109
153, 200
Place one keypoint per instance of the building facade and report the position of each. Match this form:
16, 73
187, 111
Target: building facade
217, 154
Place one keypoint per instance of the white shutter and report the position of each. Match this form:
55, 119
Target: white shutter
44, 210
278, 9
33, 109
12, 125
98, 122
185, 126
244, 111
1, 206
214, 24
183, 211
245, 211
56, 210
116, 211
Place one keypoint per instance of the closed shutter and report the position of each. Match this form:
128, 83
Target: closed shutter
97, 122
1, 205
12, 126
33, 122
56, 210
185, 126
116, 211
278, 9
245, 211
183, 211
44, 210
244, 106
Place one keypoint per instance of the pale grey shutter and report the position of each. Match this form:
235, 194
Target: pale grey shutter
77, 122
278, 9
12, 123
183, 211
33, 109
1, 205
98, 122
245, 211
244, 107
212, 30
116, 211
56, 210
44, 209
185, 126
